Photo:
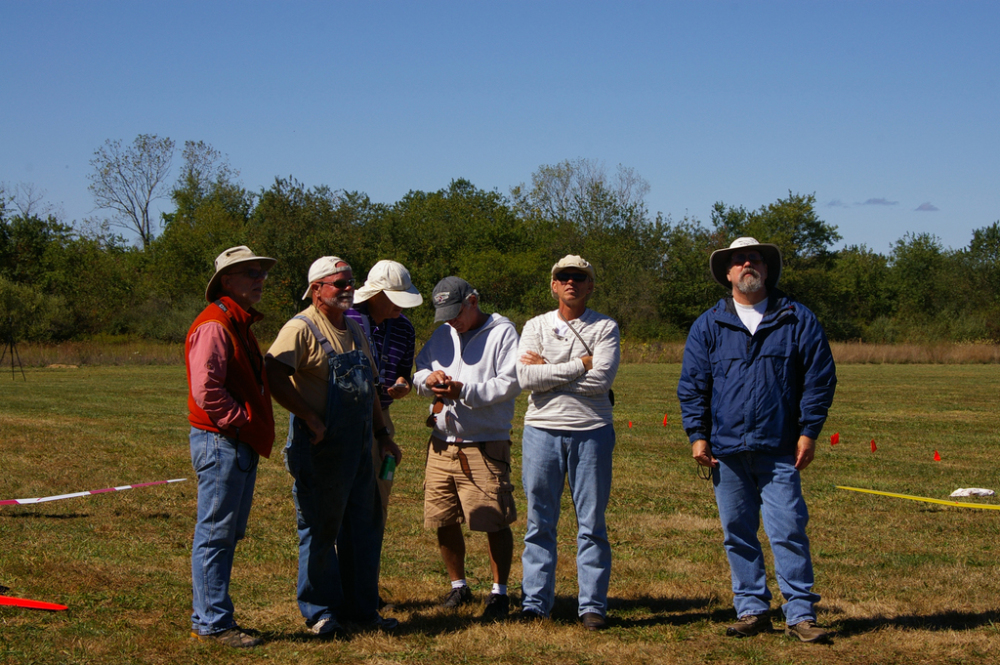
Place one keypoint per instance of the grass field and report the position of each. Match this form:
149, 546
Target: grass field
902, 582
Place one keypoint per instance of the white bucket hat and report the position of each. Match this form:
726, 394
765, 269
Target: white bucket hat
230, 258
721, 258
391, 278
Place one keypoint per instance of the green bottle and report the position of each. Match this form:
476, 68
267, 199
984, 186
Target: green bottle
388, 469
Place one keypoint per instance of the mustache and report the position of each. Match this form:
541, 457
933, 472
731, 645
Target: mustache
749, 271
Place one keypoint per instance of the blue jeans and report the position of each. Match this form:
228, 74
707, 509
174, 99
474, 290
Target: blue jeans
746, 486
548, 458
339, 519
226, 476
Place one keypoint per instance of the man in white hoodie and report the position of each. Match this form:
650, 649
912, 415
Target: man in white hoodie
469, 367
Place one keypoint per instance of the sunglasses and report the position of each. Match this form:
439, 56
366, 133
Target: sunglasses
752, 257
570, 277
340, 283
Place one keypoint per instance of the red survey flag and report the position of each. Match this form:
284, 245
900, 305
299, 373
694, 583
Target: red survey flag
630, 423
937, 456
873, 445
835, 439
664, 420
30, 604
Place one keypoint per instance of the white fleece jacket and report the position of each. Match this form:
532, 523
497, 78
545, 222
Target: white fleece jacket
487, 369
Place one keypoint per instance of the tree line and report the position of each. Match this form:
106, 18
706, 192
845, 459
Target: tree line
60, 281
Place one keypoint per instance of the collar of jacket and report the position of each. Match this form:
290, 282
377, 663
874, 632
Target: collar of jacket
779, 305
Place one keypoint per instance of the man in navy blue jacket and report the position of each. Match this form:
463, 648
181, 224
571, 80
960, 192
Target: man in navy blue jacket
757, 381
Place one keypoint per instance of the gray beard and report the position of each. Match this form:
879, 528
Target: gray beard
752, 284
343, 303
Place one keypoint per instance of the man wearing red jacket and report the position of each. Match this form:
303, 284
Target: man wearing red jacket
232, 425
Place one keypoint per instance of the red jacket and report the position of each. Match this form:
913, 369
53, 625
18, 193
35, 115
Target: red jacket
246, 379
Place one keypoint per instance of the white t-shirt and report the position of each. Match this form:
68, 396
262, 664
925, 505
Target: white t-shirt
751, 315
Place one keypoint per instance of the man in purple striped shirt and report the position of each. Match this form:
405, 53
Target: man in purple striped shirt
378, 307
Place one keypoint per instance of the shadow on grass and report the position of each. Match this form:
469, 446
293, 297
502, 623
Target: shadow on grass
949, 620
667, 611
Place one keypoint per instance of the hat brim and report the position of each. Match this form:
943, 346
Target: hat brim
212, 290
720, 260
448, 312
405, 299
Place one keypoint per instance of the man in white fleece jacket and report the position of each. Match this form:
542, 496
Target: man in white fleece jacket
469, 367
569, 358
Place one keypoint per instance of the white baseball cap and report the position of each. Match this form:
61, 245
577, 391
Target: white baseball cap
391, 278
324, 267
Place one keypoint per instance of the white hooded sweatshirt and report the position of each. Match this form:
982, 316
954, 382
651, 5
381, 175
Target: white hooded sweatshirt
487, 370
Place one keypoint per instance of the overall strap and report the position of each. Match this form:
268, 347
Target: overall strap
320, 337
325, 343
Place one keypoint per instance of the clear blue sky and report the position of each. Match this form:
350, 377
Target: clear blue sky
887, 111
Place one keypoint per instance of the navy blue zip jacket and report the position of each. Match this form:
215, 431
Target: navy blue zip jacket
756, 393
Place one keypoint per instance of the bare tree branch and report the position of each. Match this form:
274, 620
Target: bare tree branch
129, 179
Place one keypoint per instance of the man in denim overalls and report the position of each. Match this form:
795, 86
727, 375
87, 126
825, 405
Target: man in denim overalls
320, 369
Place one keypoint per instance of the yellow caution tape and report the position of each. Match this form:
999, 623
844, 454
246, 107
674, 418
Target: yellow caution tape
943, 502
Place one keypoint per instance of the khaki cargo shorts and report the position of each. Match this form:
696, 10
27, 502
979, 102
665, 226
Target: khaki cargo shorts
468, 482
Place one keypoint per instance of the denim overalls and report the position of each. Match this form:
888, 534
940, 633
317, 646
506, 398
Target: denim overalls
338, 519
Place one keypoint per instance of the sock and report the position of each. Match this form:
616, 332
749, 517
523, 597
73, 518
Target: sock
500, 589
458, 584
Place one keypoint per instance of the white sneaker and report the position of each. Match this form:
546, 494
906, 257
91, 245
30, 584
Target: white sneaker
325, 626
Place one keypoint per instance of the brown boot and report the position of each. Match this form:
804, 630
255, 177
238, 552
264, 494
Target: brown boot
807, 631
750, 624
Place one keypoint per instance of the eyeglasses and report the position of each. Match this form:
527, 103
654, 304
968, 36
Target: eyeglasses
752, 257
570, 277
339, 283
253, 273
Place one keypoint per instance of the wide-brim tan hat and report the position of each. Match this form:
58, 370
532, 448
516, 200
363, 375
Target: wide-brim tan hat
392, 279
721, 258
229, 258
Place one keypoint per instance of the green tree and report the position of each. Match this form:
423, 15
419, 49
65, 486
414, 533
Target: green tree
580, 209
296, 226
688, 288
211, 214
466, 231
862, 294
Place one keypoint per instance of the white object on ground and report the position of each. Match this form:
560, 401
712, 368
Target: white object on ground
972, 491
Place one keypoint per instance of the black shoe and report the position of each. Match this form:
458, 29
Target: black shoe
593, 621
233, 637
457, 597
497, 607
529, 615
384, 623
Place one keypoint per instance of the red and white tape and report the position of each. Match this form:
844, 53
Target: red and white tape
22, 502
